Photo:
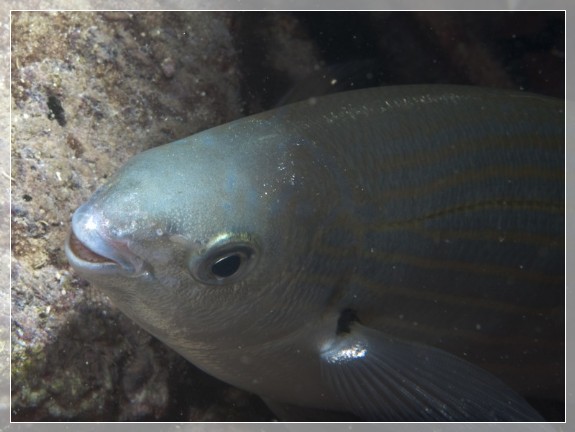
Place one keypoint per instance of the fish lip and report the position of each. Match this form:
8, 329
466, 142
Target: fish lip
80, 262
88, 248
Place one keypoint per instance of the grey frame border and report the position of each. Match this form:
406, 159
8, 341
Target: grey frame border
7, 6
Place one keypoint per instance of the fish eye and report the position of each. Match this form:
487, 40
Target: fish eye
223, 263
227, 266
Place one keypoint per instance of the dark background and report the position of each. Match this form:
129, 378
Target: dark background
518, 50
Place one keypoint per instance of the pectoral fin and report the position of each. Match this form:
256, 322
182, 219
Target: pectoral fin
384, 379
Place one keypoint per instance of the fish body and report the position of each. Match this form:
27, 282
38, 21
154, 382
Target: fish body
392, 253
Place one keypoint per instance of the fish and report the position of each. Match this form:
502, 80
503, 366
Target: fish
384, 254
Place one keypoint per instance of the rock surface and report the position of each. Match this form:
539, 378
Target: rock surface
89, 90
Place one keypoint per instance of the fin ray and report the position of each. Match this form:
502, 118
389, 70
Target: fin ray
386, 379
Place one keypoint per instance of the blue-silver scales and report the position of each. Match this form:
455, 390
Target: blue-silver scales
390, 253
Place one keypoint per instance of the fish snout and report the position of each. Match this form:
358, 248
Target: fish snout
90, 248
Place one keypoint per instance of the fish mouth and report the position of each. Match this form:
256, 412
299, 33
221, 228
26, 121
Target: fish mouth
89, 249
84, 253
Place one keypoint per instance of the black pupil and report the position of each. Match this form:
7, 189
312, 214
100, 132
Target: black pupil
227, 266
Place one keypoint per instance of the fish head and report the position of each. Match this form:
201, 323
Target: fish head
207, 241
